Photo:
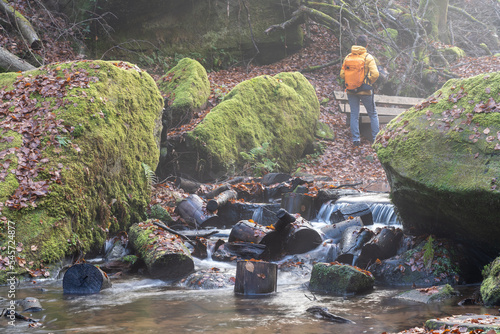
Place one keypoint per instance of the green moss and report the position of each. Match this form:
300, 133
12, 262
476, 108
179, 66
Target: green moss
452, 53
389, 32
339, 279
280, 110
103, 187
490, 287
186, 85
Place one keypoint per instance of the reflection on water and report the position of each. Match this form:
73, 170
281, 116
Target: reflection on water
140, 305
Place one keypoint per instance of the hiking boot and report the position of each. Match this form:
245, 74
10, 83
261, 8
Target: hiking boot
356, 143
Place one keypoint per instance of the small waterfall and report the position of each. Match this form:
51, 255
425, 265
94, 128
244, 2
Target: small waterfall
380, 205
257, 214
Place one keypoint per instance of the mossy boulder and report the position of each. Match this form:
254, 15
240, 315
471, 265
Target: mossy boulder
277, 114
490, 287
75, 137
185, 89
339, 279
442, 160
216, 33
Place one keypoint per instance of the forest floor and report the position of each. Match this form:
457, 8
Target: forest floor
343, 162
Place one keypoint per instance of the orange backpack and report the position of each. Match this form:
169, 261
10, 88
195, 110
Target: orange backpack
354, 70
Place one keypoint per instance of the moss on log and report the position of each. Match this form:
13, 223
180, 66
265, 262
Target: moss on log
165, 255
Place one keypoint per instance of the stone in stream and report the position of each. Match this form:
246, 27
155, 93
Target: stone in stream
470, 323
209, 279
30, 304
429, 295
339, 279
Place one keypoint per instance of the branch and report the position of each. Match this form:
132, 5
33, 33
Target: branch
467, 15
318, 67
23, 25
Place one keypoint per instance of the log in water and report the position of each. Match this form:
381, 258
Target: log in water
255, 278
85, 279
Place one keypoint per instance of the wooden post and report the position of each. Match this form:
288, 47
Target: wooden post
255, 278
298, 203
84, 279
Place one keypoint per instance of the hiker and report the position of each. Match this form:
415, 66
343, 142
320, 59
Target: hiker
359, 71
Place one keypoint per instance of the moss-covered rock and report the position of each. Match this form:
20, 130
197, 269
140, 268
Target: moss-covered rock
74, 138
442, 159
185, 89
339, 279
490, 287
280, 112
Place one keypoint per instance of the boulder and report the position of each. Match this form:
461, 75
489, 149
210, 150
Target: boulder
490, 287
339, 279
79, 142
277, 114
185, 89
442, 161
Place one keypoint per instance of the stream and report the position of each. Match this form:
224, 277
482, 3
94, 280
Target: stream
135, 304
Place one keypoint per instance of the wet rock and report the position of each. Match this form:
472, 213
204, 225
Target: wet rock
209, 279
469, 323
339, 279
429, 295
30, 304
431, 262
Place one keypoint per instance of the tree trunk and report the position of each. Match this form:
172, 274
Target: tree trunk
221, 200
191, 210
255, 278
22, 24
248, 232
164, 254
12, 63
85, 279
436, 11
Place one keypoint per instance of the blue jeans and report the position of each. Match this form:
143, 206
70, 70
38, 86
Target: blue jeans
369, 104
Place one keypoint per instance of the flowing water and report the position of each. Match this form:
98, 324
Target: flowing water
138, 305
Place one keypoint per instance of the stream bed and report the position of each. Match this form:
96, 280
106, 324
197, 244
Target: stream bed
136, 304
139, 305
